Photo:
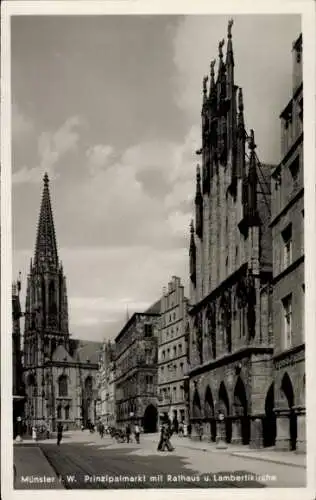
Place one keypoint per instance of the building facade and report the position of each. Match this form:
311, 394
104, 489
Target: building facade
59, 372
17, 370
287, 223
231, 341
106, 376
136, 377
172, 352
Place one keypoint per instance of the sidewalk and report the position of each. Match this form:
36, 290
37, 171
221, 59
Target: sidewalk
268, 455
29, 458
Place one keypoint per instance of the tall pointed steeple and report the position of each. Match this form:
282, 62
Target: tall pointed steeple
241, 138
46, 255
198, 204
231, 97
252, 179
230, 52
192, 254
46, 305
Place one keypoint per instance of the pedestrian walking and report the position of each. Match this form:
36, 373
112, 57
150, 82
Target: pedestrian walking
128, 433
34, 433
175, 425
165, 435
137, 433
200, 431
59, 433
189, 430
181, 429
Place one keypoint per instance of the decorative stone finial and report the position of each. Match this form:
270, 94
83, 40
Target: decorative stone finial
251, 141
212, 68
220, 48
229, 29
240, 100
205, 80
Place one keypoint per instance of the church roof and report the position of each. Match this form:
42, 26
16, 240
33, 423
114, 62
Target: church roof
60, 354
46, 246
85, 350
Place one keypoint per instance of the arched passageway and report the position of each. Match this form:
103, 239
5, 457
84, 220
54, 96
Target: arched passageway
150, 419
269, 420
209, 412
287, 389
241, 411
196, 406
223, 407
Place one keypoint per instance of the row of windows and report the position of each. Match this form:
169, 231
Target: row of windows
172, 396
171, 369
167, 354
63, 413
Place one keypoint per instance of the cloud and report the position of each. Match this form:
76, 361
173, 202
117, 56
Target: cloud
103, 281
98, 157
52, 146
128, 198
195, 44
20, 123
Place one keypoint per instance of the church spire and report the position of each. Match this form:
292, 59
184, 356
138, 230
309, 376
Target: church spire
46, 248
230, 52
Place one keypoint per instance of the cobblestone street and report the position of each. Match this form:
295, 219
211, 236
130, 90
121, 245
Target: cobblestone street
84, 461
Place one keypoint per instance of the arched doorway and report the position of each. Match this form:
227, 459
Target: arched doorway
150, 419
269, 421
287, 389
223, 407
241, 411
196, 407
209, 412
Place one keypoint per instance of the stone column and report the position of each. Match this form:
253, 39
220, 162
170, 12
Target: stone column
301, 430
236, 431
282, 441
256, 432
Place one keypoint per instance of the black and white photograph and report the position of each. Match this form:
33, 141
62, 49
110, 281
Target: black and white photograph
157, 246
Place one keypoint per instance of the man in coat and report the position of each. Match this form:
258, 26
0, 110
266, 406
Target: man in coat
59, 433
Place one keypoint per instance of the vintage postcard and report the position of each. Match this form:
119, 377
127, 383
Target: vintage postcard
158, 249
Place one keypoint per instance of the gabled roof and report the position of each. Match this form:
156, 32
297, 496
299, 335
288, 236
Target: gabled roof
85, 351
62, 355
154, 308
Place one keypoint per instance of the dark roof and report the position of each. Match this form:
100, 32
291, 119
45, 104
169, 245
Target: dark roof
154, 308
132, 319
84, 350
60, 354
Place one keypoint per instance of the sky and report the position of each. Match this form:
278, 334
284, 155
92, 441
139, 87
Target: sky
110, 107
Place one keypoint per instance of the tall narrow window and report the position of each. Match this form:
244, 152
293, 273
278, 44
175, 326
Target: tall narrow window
287, 330
148, 330
287, 246
59, 412
67, 412
294, 168
63, 386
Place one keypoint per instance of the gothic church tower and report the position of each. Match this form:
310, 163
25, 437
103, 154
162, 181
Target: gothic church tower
46, 309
